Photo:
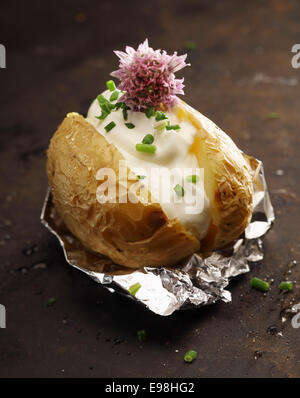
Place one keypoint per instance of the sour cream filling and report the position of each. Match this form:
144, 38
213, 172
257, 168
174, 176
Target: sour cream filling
169, 167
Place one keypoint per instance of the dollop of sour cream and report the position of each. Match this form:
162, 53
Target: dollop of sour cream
169, 167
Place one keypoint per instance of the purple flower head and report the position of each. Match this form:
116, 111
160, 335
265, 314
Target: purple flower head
147, 77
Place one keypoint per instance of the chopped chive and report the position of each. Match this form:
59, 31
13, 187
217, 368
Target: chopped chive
141, 177
51, 301
110, 84
118, 105
273, 115
189, 45
134, 288
173, 127
190, 356
114, 96
101, 99
160, 125
130, 125
259, 284
105, 105
192, 178
286, 285
159, 115
150, 112
179, 190
148, 139
102, 116
125, 109
109, 126
147, 148
142, 335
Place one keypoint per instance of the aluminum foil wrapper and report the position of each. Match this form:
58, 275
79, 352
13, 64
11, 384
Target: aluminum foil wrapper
199, 281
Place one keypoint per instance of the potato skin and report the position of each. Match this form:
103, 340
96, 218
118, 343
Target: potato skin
131, 234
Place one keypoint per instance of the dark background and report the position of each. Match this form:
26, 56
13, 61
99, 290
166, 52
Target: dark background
59, 55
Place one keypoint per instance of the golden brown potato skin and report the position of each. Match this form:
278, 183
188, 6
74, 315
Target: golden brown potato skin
138, 235
131, 234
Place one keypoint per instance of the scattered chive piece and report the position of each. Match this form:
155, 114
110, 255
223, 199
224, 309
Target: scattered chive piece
173, 127
260, 284
125, 114
286, 285
179, 190
159, 115
105, 105
109, 126
147, 148
114, 96
192, 178
189, 45
148, 139
101, 99
110, 84
150, 112
190, 356
51, 301
160, 125
141, 177
142, 335
119, 105
130, 125
273, 115
134, 288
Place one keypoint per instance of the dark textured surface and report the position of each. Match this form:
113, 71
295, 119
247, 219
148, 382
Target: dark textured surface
241, 71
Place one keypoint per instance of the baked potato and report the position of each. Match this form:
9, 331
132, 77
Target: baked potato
145, 179
147, 233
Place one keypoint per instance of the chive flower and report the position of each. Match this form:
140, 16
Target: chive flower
148, 77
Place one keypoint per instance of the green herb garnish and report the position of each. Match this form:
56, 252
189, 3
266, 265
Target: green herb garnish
105, 105
130, 125
109, 126
179, 190
273, 115
51, 301
192, 178
150, 112
286, 285
141, 177
142, 335
134, 288
159, 115
148, 139
147, 148
190, 356
114, 96
110, 84
189, 45
259, 284
160, 125
125, 109
173, 127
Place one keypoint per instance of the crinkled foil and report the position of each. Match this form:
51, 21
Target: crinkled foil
200, 281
